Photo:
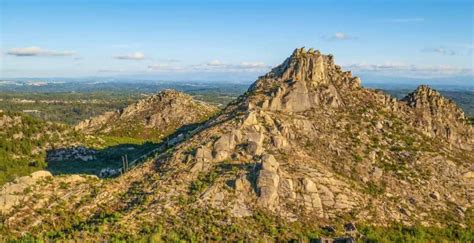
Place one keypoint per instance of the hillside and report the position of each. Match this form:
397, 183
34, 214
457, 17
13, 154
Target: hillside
24, 142
151, 118
303, 152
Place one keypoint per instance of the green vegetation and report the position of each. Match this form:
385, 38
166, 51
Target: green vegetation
69, 108
202, 182
196, 225
400, 233
23, 143
26, 142
376, 189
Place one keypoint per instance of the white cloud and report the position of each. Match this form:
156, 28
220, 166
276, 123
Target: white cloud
405, 20
440, 50
338, 36
137, 56
37, 51
410, 69
215, 63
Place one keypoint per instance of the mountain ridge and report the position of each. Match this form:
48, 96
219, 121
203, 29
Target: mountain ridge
151, 118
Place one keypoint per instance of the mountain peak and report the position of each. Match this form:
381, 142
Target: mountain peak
426, 91
305, 80
308, 65
426, 97
439, 116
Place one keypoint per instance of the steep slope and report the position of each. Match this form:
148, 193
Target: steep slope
305, 147
150, 118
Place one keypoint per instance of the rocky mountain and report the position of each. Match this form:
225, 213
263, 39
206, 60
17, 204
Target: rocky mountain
150, 118
305, 151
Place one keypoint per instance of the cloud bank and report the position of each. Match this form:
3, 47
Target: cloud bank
37, 51
212, 66
137, 56
410, 69
440, 50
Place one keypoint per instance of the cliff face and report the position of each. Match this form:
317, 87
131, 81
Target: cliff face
306, 144
150, 118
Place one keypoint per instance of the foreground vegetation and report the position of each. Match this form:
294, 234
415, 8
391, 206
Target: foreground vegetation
197, 225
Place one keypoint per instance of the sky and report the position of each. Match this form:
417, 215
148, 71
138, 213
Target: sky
232, 40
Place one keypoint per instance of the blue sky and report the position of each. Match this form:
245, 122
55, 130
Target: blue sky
235, 40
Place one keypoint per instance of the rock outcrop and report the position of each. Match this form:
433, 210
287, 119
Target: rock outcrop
438, 116
150, 118
304, 81
268, 182
12, 193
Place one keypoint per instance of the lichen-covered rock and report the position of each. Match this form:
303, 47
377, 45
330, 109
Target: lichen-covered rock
203, 157
311, 198
268, 181
11, 193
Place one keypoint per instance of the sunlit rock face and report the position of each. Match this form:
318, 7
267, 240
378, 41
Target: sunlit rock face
305, 80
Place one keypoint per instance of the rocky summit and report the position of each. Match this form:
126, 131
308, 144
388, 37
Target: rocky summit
305, 148
150, 118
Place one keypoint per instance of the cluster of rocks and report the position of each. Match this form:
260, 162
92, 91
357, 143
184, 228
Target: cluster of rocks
110, 172
305, 80
7, 121
437, 116
26, 188
73, 153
